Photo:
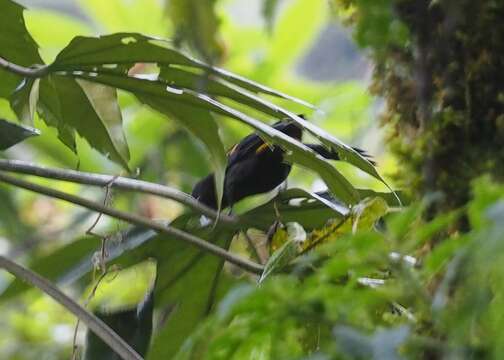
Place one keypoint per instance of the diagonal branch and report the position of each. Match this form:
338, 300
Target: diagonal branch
118, 182
245, 264
93, 323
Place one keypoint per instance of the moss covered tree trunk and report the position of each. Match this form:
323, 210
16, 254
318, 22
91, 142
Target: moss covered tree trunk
440, 67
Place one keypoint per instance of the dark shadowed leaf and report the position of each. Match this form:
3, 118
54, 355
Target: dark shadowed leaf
11, 134
50, 110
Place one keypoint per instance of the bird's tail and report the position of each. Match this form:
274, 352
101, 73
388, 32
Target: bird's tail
333, 155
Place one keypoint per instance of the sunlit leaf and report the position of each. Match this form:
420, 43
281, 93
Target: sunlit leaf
280, 258
361, 217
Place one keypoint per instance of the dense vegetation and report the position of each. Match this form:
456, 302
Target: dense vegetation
352, 270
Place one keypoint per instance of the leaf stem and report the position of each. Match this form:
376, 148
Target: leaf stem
119, 182
94, 324
137, 220
31, 72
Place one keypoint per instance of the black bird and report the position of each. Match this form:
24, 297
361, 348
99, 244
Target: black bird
255, 167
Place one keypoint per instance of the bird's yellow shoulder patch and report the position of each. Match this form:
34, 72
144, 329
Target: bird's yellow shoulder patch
262, 148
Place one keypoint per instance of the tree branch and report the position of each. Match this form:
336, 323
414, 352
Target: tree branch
137, 220
96, 325
24, 71
119, 182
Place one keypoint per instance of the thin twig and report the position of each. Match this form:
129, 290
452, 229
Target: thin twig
119, 182
102, 263
96, 325
36, 72
137, 220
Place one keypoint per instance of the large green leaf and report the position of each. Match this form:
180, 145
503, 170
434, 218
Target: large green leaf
11, 134
213, 86
16, 45
126, 49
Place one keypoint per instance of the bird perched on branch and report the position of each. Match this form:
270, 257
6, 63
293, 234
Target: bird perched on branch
255, 167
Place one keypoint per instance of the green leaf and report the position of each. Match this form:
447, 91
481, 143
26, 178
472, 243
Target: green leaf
24, 100
90, 109
16, 45
122, 50
361, 217
214, 86
190, 280
11, 134
50, 110
103, 99
367, 212
284, 255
